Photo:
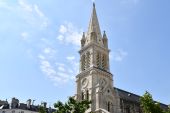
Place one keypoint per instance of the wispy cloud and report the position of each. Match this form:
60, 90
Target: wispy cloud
32, 23
59, 73
25, 6
33, 15
4, 5
69, 34
70, 58
119, 55
24, 36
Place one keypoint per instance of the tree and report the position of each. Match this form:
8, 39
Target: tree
41, 109
149, 105
72, 106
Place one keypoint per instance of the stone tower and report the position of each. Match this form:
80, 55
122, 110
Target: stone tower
94, 81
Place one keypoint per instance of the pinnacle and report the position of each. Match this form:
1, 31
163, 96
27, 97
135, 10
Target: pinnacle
94, 24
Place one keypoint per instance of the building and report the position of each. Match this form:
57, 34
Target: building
16, 107
95, 81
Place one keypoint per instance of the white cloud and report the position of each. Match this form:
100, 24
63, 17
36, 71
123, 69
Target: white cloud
119, 55
62, 29
58, 72
60, 68
38, 11
24, 36
25, 6
69, 34
60, 37
49, 52
59, 64
33, 15
41, 57
4, 5
70, 58
47, 68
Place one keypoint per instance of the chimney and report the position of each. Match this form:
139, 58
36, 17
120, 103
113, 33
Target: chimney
29, 103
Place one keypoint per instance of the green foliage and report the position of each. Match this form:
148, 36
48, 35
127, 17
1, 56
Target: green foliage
149, 106
72, 106
41, 109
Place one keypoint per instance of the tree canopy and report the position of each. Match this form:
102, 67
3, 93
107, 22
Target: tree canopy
41, 109
72, 106
150, 106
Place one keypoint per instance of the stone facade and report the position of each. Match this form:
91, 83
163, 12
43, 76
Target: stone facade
95, 81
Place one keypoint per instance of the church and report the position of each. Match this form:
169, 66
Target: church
95, 81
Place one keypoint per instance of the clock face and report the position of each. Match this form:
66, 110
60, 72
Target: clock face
84, 82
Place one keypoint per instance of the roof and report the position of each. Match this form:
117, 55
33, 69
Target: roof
128, 96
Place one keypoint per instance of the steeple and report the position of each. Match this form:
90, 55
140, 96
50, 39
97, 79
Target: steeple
95, 81
94, 33
94, 24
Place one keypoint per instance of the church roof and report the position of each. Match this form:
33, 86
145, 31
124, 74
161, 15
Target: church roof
128, 96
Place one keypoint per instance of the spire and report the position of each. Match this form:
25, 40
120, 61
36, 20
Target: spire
105, 40
94, 24
83, 40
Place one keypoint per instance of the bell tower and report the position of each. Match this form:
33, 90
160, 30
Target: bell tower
94, 81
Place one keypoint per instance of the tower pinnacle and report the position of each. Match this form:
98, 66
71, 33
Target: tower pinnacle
94, 24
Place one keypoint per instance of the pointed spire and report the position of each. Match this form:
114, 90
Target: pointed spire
83, 40
104, 35
94, 24
83, 37
105, 41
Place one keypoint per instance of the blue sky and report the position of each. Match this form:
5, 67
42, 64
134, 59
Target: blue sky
39, 43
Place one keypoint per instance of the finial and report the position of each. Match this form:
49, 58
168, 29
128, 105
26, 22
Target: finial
83, 34
93, 4
104, 35
83, 37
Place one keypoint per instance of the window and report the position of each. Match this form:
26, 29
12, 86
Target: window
104, 62
108, 106
98, 60
128, 109
87, 94
87, 59
82, 96
83, 62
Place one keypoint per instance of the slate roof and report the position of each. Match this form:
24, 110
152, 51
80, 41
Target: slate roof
128, 96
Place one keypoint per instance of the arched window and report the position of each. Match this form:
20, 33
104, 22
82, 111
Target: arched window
87, 59
127, 109
108, 106
87, 94
82, 95
98, 59
83, 62
103, 61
